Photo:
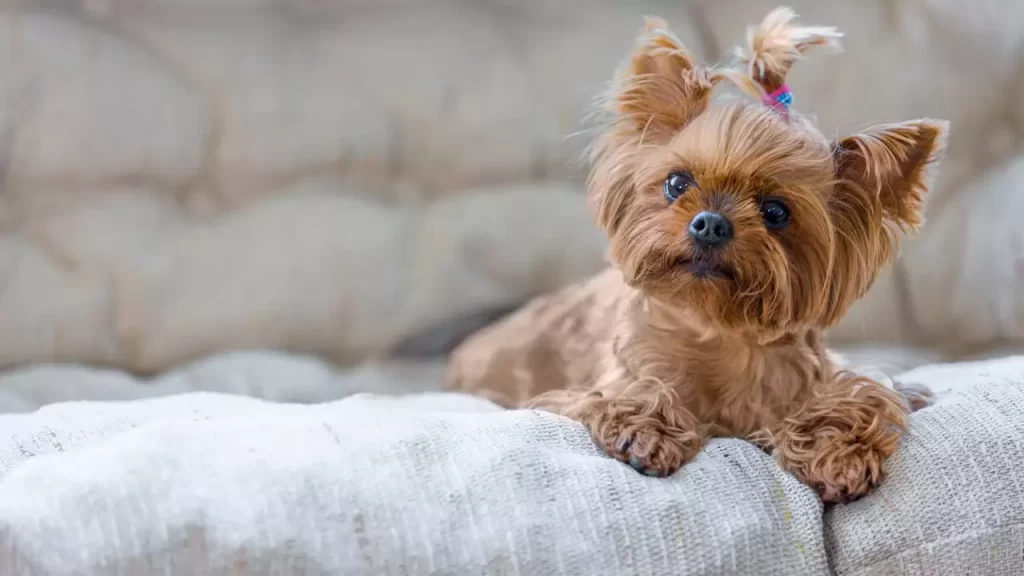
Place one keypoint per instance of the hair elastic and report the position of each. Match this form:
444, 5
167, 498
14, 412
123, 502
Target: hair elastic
779, 99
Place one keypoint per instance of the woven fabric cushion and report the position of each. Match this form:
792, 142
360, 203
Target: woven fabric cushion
369, 485
448, 484
955, 501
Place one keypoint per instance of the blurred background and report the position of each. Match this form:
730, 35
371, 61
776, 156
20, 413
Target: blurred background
348, 178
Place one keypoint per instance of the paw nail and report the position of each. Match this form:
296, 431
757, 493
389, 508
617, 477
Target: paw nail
637, 465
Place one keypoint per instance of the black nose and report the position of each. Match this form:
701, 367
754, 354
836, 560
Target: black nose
710, 229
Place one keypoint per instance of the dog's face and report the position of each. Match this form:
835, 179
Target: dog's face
755, 220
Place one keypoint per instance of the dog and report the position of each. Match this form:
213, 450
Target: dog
737, 232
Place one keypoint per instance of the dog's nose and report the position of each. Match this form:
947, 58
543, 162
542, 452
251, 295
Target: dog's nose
709, 229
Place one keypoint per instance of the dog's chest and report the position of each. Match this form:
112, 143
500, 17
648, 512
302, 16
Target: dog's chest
740, 390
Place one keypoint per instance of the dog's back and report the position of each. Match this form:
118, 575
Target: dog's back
555, 341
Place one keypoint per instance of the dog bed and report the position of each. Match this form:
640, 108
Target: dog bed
433, 483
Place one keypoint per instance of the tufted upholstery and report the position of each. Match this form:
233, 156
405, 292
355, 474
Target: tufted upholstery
183, 178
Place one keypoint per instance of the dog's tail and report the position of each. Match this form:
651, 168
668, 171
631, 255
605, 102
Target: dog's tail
772, 48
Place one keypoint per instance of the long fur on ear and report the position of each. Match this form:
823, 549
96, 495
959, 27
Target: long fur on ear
892, 162
661, 87
882, 178
659, 90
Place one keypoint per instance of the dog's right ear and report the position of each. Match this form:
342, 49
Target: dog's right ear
657, 92
661, 87
882, 176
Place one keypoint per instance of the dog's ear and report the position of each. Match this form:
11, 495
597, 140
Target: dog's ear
882, 176
661, 87
658, 90
890, 164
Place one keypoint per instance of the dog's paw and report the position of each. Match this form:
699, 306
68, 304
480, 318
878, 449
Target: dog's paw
840, 463
647, 452
837, 442
844, 475
647, 444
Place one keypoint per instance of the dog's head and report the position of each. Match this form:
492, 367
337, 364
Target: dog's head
745, 212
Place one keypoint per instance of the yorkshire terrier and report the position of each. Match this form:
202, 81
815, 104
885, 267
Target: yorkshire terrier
738, 232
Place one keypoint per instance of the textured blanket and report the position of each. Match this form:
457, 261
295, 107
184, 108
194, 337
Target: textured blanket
206, 483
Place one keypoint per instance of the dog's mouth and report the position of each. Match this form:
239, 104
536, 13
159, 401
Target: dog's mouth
705, 269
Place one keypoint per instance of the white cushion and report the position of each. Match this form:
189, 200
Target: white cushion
449, 484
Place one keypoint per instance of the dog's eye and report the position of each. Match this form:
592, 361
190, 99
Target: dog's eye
676, 184
775, 214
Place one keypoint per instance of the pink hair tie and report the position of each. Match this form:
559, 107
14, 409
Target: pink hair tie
779, 99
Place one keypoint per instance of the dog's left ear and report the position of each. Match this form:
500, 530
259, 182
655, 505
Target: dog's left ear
661, 88
882, 177
891, 164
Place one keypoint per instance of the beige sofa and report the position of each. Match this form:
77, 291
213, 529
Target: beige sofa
182, 179
330, 177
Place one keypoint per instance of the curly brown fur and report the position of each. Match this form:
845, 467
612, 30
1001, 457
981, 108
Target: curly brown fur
837, 441
685, 338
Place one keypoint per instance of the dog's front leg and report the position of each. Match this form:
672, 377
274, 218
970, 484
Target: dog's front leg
838, 440
643, 426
